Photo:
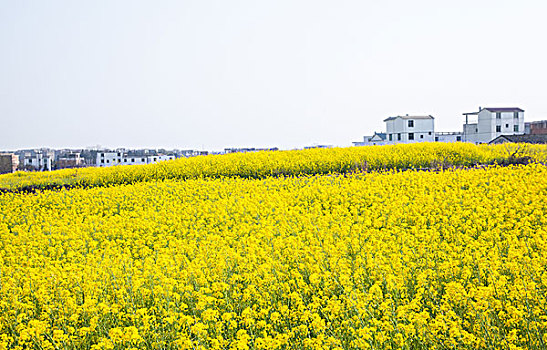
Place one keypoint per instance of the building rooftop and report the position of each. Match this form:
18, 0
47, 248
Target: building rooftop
522, 138
449, 133
535, 122
381, 134
497, 109
410, 117
504, 109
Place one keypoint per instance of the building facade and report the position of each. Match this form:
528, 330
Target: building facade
40, 160
448, 136
410, 129
488, 123
106, 159
69, 160
248, 149
378, 139
8, 163
536, 128
187, 153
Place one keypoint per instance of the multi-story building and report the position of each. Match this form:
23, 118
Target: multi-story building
489, 123
41, 160
69, 160
120, 157
409, 129
8, 163
403, 129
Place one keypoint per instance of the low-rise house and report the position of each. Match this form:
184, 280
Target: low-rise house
318, 146
69, 160
535, 139
489, 123
448, 136
239, 150
248, 149
536, 128
191, 153
8, 163
379, 138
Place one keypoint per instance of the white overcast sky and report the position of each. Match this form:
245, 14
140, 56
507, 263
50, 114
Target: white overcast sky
212, 74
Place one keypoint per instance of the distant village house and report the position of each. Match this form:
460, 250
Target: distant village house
480, 127
38, 160
403, 129
106, 159
536, 128
9, 163
489, 123
534, 139
70, 160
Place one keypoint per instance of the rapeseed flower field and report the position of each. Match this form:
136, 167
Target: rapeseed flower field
282, 163
448, 259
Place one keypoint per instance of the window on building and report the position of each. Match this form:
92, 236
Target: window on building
498, 115
498, 128
133, 160
102, 160
108, 161
516, 115
429, 133
142, 159
411, 136
125, 160
458, 138
516, 128
390, 137
399, 136
506, 126
421, 136
411, 123
436, 138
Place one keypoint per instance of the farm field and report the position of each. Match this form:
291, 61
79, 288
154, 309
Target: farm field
283, 258
283, 163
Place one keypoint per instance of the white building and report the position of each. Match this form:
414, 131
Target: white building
448, 136
318, 146
191, 153
38, 160
105, 159
489, 123
376, 139
248, 149
409, 129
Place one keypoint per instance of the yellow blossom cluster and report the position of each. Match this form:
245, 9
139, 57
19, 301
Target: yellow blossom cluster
448, 259
304, 162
